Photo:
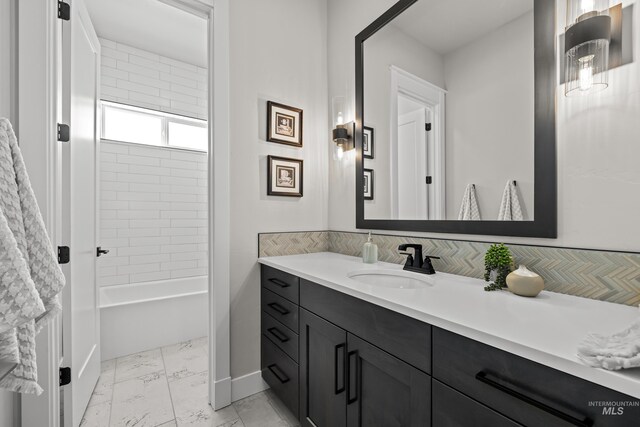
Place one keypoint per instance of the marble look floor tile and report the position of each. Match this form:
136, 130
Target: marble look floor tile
169, 424
139, 364
142, 402
190, 397
97, 415
257, 411
234, 423
103, 391
108, 367
281, 409
185, 359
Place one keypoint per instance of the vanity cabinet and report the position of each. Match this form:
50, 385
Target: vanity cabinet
336, 360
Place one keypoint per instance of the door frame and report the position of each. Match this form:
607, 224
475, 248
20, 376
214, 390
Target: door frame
433, 97
216, 12
37, 48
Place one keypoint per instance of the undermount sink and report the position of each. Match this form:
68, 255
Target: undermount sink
393, 279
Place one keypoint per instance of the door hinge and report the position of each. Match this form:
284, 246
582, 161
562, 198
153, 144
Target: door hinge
65, 376
427, 126
429, 180
63, 255
64, 11
63, 132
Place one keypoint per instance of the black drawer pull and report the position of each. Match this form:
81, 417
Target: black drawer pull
279, 283
278, 334
278, 373
339, 373
352, 374
277, 307
483, 377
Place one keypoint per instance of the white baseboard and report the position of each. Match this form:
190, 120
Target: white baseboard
247, 385
221, 393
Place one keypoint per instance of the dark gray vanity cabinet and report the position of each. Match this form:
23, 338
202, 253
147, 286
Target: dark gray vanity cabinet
323, 368
346, 381
384, 391
279, 340
339, 361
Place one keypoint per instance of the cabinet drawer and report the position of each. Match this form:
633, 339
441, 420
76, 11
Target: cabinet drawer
406, 338
281, 373
281, 309
282, 283
453, 409
525, 391
281, 336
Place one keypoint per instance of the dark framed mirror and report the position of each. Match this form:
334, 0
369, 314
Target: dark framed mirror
460, 97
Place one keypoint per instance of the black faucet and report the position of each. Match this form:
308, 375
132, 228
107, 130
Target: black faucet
415, 262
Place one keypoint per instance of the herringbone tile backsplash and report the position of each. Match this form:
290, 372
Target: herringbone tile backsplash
601, 275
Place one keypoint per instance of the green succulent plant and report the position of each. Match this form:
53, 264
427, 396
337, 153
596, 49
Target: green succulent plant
498, 258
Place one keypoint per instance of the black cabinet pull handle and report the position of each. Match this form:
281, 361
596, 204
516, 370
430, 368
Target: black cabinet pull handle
278, 334
353, 375
277, 307
279, 283
339, 373
484, 378
279, 374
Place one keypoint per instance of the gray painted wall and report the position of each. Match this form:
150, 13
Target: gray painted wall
489, 136
278, 52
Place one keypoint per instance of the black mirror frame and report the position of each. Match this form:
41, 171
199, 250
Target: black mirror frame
545, 223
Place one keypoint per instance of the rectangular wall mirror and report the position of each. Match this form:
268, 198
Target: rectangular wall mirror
455, 118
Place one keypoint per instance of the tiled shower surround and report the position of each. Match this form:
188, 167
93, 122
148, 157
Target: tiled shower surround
600, 275
153, 213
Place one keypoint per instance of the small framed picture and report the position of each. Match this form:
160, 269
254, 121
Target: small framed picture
284, 124
367, 142
284, 177
368, 184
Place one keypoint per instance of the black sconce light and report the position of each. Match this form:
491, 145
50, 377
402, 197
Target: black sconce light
587, 38
343, 137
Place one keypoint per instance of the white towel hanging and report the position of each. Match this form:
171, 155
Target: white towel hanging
510, 209
469, 210
30, 277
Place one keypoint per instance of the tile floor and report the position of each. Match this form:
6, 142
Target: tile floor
168, 387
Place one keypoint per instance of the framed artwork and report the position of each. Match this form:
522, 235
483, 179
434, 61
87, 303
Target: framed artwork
284, 124
367, 142
284, 177
368, 184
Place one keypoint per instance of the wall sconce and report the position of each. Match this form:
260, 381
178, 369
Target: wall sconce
587, 37
342, 134
343, 137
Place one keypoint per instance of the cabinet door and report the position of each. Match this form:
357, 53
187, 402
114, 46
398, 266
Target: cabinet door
383, 390
323, 345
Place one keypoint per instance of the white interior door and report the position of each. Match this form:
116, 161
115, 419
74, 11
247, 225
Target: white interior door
81, 325
412, 166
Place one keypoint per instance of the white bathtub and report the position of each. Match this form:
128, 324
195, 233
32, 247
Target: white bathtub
144, 316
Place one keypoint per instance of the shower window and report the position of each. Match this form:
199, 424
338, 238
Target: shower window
144, 126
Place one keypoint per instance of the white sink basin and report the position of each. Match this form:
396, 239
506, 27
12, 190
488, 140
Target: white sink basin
393, 279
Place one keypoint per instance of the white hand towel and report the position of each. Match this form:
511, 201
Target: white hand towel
510, 206
469, 210
618, 351
30, 278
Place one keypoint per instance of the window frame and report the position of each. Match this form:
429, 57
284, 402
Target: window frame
166, 119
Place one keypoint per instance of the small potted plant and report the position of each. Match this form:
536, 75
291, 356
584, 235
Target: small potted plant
498, 263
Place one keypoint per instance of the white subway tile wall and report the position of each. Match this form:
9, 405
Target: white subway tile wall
136, 77
153, 213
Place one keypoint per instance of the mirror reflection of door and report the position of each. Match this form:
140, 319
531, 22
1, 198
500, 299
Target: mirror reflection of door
412, 201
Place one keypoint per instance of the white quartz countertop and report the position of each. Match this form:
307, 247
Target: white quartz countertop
545, 329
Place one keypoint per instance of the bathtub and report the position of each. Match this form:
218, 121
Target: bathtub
144, 316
